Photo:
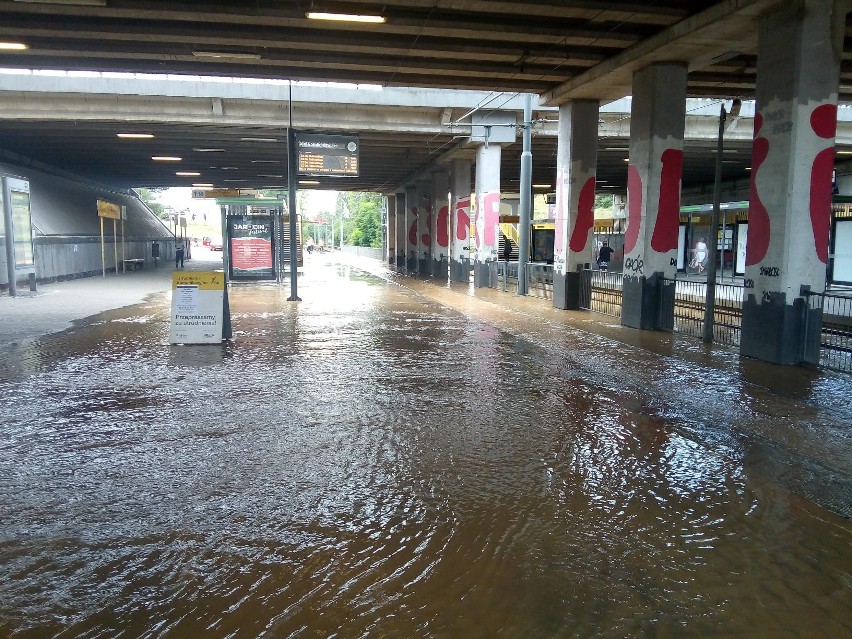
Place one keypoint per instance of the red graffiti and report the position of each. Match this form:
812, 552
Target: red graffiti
634, 208
442, 235
491, 211
585, 216
759, 224
664, 238
412, 230
824, 121
463, 219
824, 124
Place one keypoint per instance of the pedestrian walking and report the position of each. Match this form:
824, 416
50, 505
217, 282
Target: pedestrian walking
179, 255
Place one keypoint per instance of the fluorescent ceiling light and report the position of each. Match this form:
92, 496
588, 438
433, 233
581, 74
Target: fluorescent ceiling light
234, 55
259, 139
264, 161
269, 176
308, 182
203, 150
135, 136
235, 180
844, 152
541, 186
87, 3
344, 17
165, 158
188, 173
203, 186
13, 46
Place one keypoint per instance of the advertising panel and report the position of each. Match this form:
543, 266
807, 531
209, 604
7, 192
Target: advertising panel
197, 307
251, 246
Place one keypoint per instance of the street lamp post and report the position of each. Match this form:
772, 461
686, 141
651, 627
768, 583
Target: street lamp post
713, 240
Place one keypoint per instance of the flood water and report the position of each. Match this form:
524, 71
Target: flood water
371, 463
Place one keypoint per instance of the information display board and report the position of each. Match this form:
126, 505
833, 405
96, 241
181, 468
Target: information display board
197, 307
251, 246
322, 154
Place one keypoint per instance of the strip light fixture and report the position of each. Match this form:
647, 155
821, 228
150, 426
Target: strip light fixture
13, 46
345, 17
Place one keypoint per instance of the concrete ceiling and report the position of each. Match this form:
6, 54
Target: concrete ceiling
560, 49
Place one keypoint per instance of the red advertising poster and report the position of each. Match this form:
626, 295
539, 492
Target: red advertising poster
251, 246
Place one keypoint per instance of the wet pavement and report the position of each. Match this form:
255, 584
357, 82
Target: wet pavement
395, 458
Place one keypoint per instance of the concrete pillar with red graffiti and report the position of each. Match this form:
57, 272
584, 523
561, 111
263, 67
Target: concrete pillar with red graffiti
576, 159
412, 195
798, 74
487, 214
460, 264
399, 213
657, 121
440, 223
424, 231
390, 240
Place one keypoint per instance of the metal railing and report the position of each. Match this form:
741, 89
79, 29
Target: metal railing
600, 291
835, 334
682, 304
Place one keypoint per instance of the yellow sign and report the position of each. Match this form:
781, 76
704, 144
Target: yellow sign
212, 194
204, 280
108, 209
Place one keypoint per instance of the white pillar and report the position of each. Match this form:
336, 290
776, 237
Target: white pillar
460, 221
487, 214
440, 223
657, 122
798, 74
576, 160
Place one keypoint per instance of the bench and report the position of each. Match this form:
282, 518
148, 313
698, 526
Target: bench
134, 264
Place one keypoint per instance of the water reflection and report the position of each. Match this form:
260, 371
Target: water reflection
371, 463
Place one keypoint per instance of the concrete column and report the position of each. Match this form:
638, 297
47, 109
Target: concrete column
424, 232
576, 160
487, 215
411, 211
399, 211
798, 74
440, 227
391, 228
653, 189
460, 221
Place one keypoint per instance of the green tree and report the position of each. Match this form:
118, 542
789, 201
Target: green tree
603, 201
147, 195
362, 218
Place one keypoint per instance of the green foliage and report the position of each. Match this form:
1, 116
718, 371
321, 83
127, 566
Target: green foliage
362, 218
603, 201
147, 196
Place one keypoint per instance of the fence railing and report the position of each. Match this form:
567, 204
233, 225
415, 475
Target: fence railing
682, 304
835, 334
600, 291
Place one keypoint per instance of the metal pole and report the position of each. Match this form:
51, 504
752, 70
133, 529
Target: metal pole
713, 240
526, 198
291, 203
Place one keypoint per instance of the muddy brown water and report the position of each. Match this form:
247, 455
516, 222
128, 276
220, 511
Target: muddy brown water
374, 463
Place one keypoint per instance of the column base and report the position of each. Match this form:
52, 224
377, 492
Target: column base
424, 266
776, 332
566, 290
400, 260
460, 271
411, 264
439, 268
640, 306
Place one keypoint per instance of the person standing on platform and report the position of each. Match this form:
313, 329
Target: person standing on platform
179, 255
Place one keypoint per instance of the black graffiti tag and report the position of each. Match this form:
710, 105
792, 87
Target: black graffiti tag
770, 271
634, 265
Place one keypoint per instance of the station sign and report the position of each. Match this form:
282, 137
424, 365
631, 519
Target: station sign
108, 209
212, 194
324, 154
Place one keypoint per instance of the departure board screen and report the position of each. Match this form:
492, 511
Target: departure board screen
322, 154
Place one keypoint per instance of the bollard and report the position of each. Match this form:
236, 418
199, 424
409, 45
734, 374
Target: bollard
32, 279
